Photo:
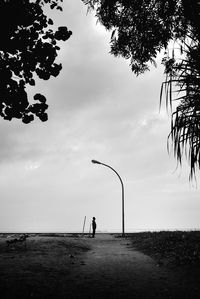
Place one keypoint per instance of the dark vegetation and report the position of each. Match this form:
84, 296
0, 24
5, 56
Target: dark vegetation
139, 31
29, 47
169, 247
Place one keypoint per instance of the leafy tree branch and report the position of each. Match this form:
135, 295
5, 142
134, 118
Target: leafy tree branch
29, 46
139, 31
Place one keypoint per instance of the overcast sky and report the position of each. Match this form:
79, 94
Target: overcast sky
98, 110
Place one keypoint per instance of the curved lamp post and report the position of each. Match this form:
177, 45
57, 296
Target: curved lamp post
97, 162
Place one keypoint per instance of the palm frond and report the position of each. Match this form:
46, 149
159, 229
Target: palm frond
183, 81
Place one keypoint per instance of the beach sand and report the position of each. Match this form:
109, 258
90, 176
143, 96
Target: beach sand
76, 266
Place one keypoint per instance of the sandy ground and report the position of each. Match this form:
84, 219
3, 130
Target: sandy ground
81, 267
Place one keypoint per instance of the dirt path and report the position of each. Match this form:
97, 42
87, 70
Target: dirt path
57, 267
112, 269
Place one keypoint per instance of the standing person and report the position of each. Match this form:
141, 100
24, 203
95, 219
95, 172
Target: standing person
94, 226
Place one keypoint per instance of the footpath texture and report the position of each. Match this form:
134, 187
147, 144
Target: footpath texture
113, 269
81, 267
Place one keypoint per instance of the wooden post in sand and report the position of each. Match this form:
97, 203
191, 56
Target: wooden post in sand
84, 225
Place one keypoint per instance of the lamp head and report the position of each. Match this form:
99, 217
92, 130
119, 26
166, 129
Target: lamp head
95, 162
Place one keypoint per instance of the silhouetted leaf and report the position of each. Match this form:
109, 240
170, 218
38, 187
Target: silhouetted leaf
28, 48
140, 30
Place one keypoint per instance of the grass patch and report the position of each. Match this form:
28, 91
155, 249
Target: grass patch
169, 247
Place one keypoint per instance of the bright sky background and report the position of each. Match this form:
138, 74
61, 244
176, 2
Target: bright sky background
98, 110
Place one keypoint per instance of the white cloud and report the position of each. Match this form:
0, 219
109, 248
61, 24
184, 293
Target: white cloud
97, 110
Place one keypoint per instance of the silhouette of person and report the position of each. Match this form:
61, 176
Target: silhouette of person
94, 226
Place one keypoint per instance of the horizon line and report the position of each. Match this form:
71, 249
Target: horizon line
98, 231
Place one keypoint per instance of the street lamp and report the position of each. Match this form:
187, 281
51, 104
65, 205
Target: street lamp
97, 162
